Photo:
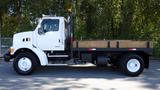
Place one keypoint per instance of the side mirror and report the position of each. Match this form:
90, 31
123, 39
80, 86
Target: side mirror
40, 31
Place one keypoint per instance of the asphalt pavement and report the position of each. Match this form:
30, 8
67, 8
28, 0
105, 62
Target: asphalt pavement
86, 77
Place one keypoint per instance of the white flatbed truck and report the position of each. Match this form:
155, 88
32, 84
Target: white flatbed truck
52, 43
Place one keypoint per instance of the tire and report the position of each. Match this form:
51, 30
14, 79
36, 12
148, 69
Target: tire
132, 65
25, 63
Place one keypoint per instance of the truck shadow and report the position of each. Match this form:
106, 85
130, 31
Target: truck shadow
79, 72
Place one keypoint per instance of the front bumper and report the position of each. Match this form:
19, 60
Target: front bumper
7, 57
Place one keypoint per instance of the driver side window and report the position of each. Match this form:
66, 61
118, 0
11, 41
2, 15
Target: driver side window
50, 25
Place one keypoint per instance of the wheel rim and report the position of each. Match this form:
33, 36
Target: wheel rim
133, 65
24, 64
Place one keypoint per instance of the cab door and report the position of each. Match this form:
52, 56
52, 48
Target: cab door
49, 35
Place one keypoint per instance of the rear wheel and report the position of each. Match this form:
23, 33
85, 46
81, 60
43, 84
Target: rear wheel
132, 65
25, 63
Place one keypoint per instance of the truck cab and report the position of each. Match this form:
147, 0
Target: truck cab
50, 34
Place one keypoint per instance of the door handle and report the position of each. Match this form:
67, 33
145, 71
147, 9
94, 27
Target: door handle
59, 40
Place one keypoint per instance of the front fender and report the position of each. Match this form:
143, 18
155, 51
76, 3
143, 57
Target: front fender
40, 54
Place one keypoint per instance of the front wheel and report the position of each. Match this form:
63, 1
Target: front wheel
132, 65
24, 63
